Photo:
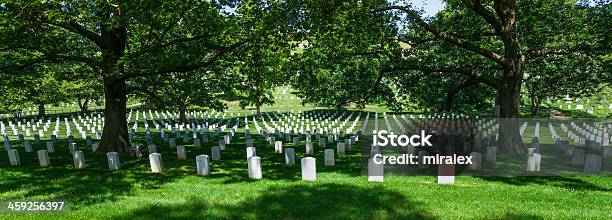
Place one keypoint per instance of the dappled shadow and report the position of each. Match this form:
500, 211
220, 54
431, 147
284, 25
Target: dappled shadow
557, 181
325, 201
96, 184
510, 215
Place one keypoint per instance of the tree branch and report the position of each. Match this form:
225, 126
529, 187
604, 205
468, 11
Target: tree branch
446, 36
557, 51
189, 67
80, 30
485, 13
171, 43
58, 57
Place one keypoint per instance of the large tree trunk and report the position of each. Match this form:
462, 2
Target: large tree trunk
510, 140
182, 114
258, 106
115, 134
536, 105
41, 110
84, 106
448, 105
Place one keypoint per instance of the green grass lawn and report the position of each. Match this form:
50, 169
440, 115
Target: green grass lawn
339, 192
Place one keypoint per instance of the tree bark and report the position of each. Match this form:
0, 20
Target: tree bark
536, 105
258, 106
182, 112
115, 134
510, 140
84, 106
41, 110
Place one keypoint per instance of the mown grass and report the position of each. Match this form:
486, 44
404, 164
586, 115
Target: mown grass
339, 192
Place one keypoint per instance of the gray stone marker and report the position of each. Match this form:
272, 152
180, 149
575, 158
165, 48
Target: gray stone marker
290, 156
296, 141
278, 147
222, 144
228, 139
7, 145
152, 148
254, 164
43, 158
592, 163
28, 146
155, 159
202, 165
14, 159
375, 171
322, 142
196, 143
476, 161
50, 147
172, 142
329, 157
578, 157
569, 150
309, 148
250, 152
491, 154
72, 147
421, 160
215, 152
94, 146
340, 150
113, 161
180, 152
79, 159
309, 169
533, 162
205, 139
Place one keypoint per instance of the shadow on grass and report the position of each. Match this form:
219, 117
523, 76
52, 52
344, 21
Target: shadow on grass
326, 201
96, 184
517, 216
556, 181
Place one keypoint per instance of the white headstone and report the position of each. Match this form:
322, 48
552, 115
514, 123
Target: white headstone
14, 157
79, 159
43, 158
290, 156
155, 159
216, 153
329, 157
202, 165
309, 169
113, 161
250, 152
533, 162
180, 151
254, 164
278, 147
